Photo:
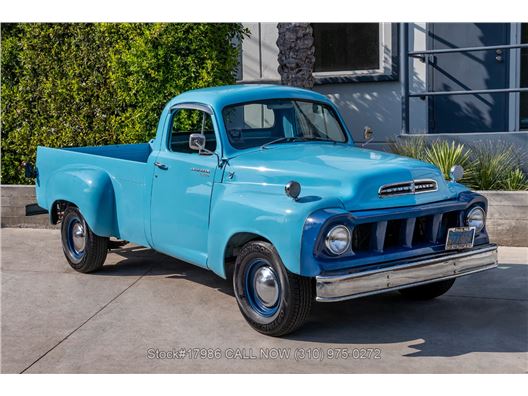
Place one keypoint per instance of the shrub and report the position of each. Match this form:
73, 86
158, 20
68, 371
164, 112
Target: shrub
95, 84
486, 167
496, 167
413, 147
439, 153
515, 180
445, 155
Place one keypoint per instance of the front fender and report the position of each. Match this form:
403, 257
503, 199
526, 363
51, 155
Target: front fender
265, 211
91, 190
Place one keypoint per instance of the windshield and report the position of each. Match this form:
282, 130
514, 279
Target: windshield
281, 121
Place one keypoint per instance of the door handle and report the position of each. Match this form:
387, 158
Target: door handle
161, 166
498, 58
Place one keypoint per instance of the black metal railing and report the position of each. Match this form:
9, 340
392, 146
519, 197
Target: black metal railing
422, 55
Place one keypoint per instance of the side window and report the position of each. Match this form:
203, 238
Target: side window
184, 123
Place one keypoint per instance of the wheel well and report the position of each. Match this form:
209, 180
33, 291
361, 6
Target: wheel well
233, 247
57, 210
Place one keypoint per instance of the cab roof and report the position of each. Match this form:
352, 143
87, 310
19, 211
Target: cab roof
219, 97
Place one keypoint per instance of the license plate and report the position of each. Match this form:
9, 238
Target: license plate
460, 238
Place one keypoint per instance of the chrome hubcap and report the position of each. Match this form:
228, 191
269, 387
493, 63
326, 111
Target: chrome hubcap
266, 286
78, 237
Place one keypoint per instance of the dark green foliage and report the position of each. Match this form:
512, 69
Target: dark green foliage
498, 167
96, 84
489, 166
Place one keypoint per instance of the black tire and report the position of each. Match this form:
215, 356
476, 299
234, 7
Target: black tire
294, 294
86, 253
428, 291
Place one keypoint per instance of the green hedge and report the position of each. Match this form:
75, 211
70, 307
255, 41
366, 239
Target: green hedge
96, 84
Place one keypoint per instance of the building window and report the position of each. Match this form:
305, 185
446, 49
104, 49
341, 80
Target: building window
346, 46
349, 52
524, 78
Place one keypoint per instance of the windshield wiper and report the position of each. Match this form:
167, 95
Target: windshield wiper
318, 138
283, 139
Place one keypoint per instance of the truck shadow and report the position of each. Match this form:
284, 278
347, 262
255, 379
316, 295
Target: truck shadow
485, 312
139, 261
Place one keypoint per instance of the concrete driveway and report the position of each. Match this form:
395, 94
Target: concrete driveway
145, 312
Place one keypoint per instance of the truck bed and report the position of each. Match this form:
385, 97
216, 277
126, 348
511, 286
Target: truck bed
130, 152
64, 172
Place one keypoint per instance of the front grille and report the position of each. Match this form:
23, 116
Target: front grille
407, 233
408, 187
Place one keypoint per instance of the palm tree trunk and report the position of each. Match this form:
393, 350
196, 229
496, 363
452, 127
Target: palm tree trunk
296, 54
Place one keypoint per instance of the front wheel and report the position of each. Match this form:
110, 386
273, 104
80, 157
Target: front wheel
428, 291
85, 251
273, 300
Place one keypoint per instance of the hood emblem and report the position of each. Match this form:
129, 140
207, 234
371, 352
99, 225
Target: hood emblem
408, 187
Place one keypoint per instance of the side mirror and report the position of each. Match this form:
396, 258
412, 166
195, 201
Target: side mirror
197, 141
368, 134
456, 173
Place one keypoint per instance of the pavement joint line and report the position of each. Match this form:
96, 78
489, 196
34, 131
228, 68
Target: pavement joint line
87, 320
489, 298
54, 272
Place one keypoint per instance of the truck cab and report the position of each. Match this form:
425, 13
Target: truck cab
265, 185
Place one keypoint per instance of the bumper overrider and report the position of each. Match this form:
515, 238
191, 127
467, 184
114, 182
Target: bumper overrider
418, 271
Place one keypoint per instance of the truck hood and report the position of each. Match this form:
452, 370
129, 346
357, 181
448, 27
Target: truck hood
351, 174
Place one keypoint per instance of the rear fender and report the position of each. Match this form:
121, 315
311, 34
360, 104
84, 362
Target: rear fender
91, 190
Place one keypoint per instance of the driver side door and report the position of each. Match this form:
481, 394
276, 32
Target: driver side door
182, 187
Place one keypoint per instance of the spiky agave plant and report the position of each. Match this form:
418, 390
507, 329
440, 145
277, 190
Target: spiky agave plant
409, 147
444, 155
497, 168
515, 181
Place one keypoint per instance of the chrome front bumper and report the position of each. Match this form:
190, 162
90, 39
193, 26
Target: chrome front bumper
411, 273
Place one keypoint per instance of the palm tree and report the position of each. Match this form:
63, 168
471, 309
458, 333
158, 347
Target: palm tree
296, 54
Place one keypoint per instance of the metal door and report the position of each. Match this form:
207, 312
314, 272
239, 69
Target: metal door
181, 196
458, 71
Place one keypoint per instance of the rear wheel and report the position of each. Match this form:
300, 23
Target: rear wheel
428, 291
273, 300
85, 251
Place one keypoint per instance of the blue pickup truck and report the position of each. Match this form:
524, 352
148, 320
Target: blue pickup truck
264, 184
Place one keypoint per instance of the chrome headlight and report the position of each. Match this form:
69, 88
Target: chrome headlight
476, 218
338, 239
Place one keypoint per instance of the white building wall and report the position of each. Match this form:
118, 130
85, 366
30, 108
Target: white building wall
374, 104
259, 53
378, 104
